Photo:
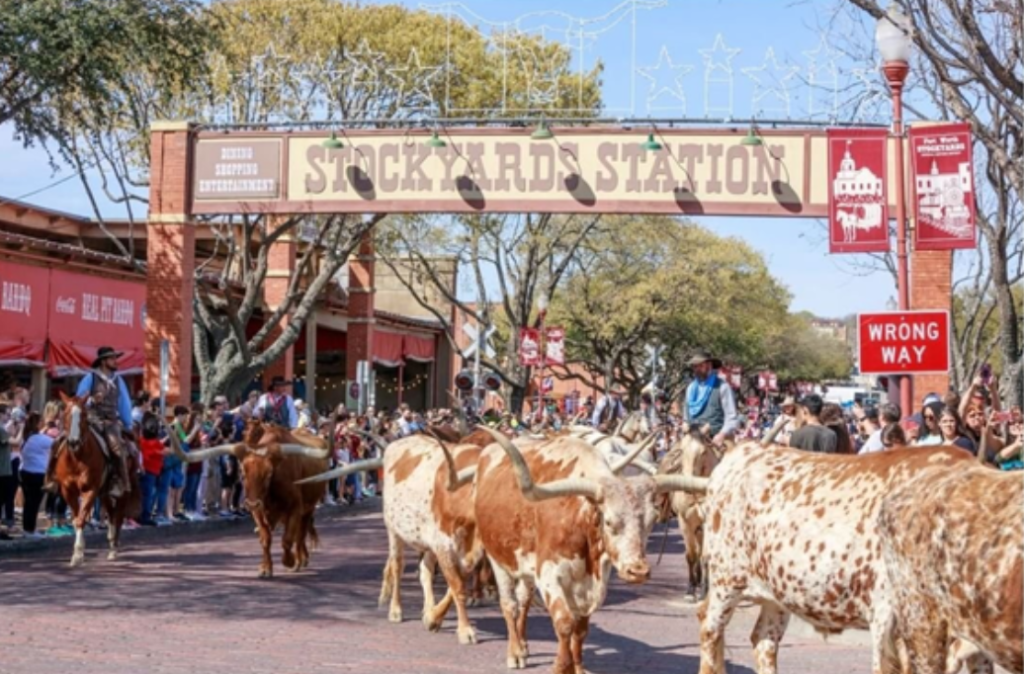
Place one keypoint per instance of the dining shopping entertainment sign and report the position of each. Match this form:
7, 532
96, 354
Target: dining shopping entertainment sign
904, 342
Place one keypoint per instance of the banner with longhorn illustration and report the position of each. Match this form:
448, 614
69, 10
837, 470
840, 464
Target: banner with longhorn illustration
943, 187
858, 214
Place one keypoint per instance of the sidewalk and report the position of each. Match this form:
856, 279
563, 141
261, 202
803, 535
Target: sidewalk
98, 538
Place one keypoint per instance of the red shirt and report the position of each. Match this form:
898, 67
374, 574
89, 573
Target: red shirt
152, 455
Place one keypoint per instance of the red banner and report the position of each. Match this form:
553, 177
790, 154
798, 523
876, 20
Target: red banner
529, 347
943, 187
87, 312
23, 309
555, 346
858, 213
899, 342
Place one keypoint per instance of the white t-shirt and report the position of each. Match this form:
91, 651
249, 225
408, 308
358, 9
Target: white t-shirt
873, 443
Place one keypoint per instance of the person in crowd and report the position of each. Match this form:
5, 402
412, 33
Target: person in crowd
405, 421
868, 423
153, 450
8, 486
951, 431
142, 404
709, 400
55, 506
188, 427
888, 414
276, 406
930, 435
893, 436
304, 415
832, 418
35, 453
227, 465
980, 432
788, 411
610, 410
911, 429
1011, 456
812, 435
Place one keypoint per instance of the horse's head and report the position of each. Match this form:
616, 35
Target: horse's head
74, 419
692, 455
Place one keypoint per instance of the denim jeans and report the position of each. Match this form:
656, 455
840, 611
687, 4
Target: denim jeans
191, 493
147, 483
163, 486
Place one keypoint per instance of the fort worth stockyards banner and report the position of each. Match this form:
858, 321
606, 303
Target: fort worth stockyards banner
943, 187
858, 214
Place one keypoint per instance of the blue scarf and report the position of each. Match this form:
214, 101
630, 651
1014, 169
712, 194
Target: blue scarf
698, 395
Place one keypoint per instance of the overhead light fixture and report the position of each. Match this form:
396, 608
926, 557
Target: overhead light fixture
333, 143
436, 141
752, 139
542, 132
651, 144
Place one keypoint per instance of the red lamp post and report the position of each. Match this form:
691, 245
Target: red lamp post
892, 35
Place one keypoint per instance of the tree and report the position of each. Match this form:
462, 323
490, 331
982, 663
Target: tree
512, 260
272, 61
968, 66
642, 280
802, 353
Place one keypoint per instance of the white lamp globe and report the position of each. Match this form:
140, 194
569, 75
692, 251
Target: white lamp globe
892, 35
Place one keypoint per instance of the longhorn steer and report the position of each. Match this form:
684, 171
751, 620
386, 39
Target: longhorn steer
796, 532
953, 545
561, 534
269, 472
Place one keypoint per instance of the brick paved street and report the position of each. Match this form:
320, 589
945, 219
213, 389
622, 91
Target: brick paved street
195, 605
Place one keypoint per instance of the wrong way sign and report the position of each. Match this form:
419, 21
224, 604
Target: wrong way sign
904, 342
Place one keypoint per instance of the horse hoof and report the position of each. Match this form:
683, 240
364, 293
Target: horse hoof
112, 555
517, 662
77, 560
265, 574
395, 616
689, 598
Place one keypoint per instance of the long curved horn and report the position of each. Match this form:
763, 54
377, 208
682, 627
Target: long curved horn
305, 450
342, 471
769, 438
640, 448
539, 492
456, 478
208, 453
689, 483
618, 429
646, 466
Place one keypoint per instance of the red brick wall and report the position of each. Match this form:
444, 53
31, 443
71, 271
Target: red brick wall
280, 268
931, 277
170, 255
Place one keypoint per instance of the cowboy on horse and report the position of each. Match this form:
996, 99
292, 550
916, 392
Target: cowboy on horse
110, 412
709, 403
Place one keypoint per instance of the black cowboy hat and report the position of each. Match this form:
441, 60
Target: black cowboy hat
277, 381
105, 352
702, 356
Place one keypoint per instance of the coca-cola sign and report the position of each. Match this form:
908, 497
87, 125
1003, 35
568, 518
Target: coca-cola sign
64, 305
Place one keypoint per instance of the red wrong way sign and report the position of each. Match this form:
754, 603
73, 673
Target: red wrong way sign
904, 342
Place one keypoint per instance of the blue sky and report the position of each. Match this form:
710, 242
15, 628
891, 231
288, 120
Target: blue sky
650, 75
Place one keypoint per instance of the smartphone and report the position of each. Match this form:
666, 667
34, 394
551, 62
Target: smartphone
1002, 417
986, 373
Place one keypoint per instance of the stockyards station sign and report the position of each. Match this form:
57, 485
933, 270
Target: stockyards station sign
579, 170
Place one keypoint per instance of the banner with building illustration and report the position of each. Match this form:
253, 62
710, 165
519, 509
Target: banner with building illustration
858, 217
942, 187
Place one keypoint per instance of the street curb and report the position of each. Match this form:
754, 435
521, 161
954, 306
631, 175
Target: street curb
98, 538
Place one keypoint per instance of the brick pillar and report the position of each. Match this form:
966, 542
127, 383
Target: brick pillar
170, 256
931, 278
280, 268
360, 307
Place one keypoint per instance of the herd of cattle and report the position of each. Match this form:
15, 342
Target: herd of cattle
922, 546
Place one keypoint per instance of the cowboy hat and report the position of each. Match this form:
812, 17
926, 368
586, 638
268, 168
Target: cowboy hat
788, 401
277, 381
105, 352
702, 356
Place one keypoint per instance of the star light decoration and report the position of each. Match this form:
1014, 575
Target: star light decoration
823, 77
771, 85
413, 81
871, 95
666, 78
541, 71
719, 74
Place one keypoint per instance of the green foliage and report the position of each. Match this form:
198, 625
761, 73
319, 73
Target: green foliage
62, 60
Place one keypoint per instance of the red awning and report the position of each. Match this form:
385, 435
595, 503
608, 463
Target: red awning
87, 312
387, 348
327, 339
420, 349
24, 291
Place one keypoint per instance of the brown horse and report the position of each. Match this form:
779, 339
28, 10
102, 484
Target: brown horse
83, 475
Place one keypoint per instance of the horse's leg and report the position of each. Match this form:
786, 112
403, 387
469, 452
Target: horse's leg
81, 518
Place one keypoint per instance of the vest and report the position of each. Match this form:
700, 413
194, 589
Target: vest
713, 414
105, 395
276, 411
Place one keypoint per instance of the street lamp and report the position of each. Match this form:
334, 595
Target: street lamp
890, 304
892, 35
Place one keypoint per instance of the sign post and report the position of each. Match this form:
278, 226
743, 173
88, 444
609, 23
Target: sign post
903, 342
165, 375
